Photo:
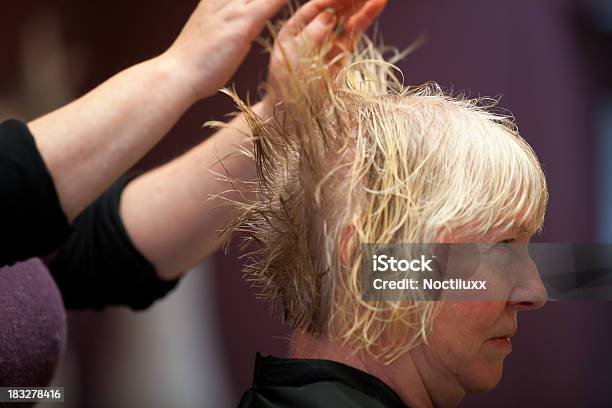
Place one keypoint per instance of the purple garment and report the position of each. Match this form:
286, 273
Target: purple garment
32, 325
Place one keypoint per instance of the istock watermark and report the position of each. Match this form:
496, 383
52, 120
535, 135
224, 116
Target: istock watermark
489, 272
383, 263
388, 263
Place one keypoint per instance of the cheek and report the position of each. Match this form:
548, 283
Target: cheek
461, 328
475, 316
458, 343
470, 317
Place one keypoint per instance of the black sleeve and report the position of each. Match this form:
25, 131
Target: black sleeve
31, 218
99, 266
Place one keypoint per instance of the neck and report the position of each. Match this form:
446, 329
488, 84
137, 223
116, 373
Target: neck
411, 376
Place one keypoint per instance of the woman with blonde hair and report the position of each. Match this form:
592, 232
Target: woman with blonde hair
352, 157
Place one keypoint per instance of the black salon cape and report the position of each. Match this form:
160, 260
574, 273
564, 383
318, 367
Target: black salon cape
295, 383
94, 262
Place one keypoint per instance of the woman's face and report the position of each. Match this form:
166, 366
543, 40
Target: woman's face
471, 338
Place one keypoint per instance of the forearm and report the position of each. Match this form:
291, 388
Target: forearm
87, 144
167, 212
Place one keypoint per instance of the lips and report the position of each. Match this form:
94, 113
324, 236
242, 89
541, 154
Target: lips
501, 344
506, 335
501, 339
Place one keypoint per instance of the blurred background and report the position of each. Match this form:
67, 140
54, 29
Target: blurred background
549, 60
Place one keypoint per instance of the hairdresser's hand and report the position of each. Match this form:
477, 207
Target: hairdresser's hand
310, 26
216, 39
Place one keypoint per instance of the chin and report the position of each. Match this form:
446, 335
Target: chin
483, 378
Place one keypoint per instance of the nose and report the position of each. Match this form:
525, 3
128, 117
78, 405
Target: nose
529, 292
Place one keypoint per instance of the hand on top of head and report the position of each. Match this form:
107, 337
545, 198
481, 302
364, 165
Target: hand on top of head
309, 29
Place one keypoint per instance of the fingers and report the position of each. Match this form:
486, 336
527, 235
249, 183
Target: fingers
313, 34
363, 18
304, 16
317, 18
320, 27
359, 22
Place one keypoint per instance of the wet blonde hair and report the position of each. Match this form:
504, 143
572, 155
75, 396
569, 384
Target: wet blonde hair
361, 158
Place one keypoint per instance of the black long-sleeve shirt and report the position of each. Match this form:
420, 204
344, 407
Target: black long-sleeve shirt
95, 264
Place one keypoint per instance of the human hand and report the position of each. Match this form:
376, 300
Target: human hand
310, 26
216, 39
